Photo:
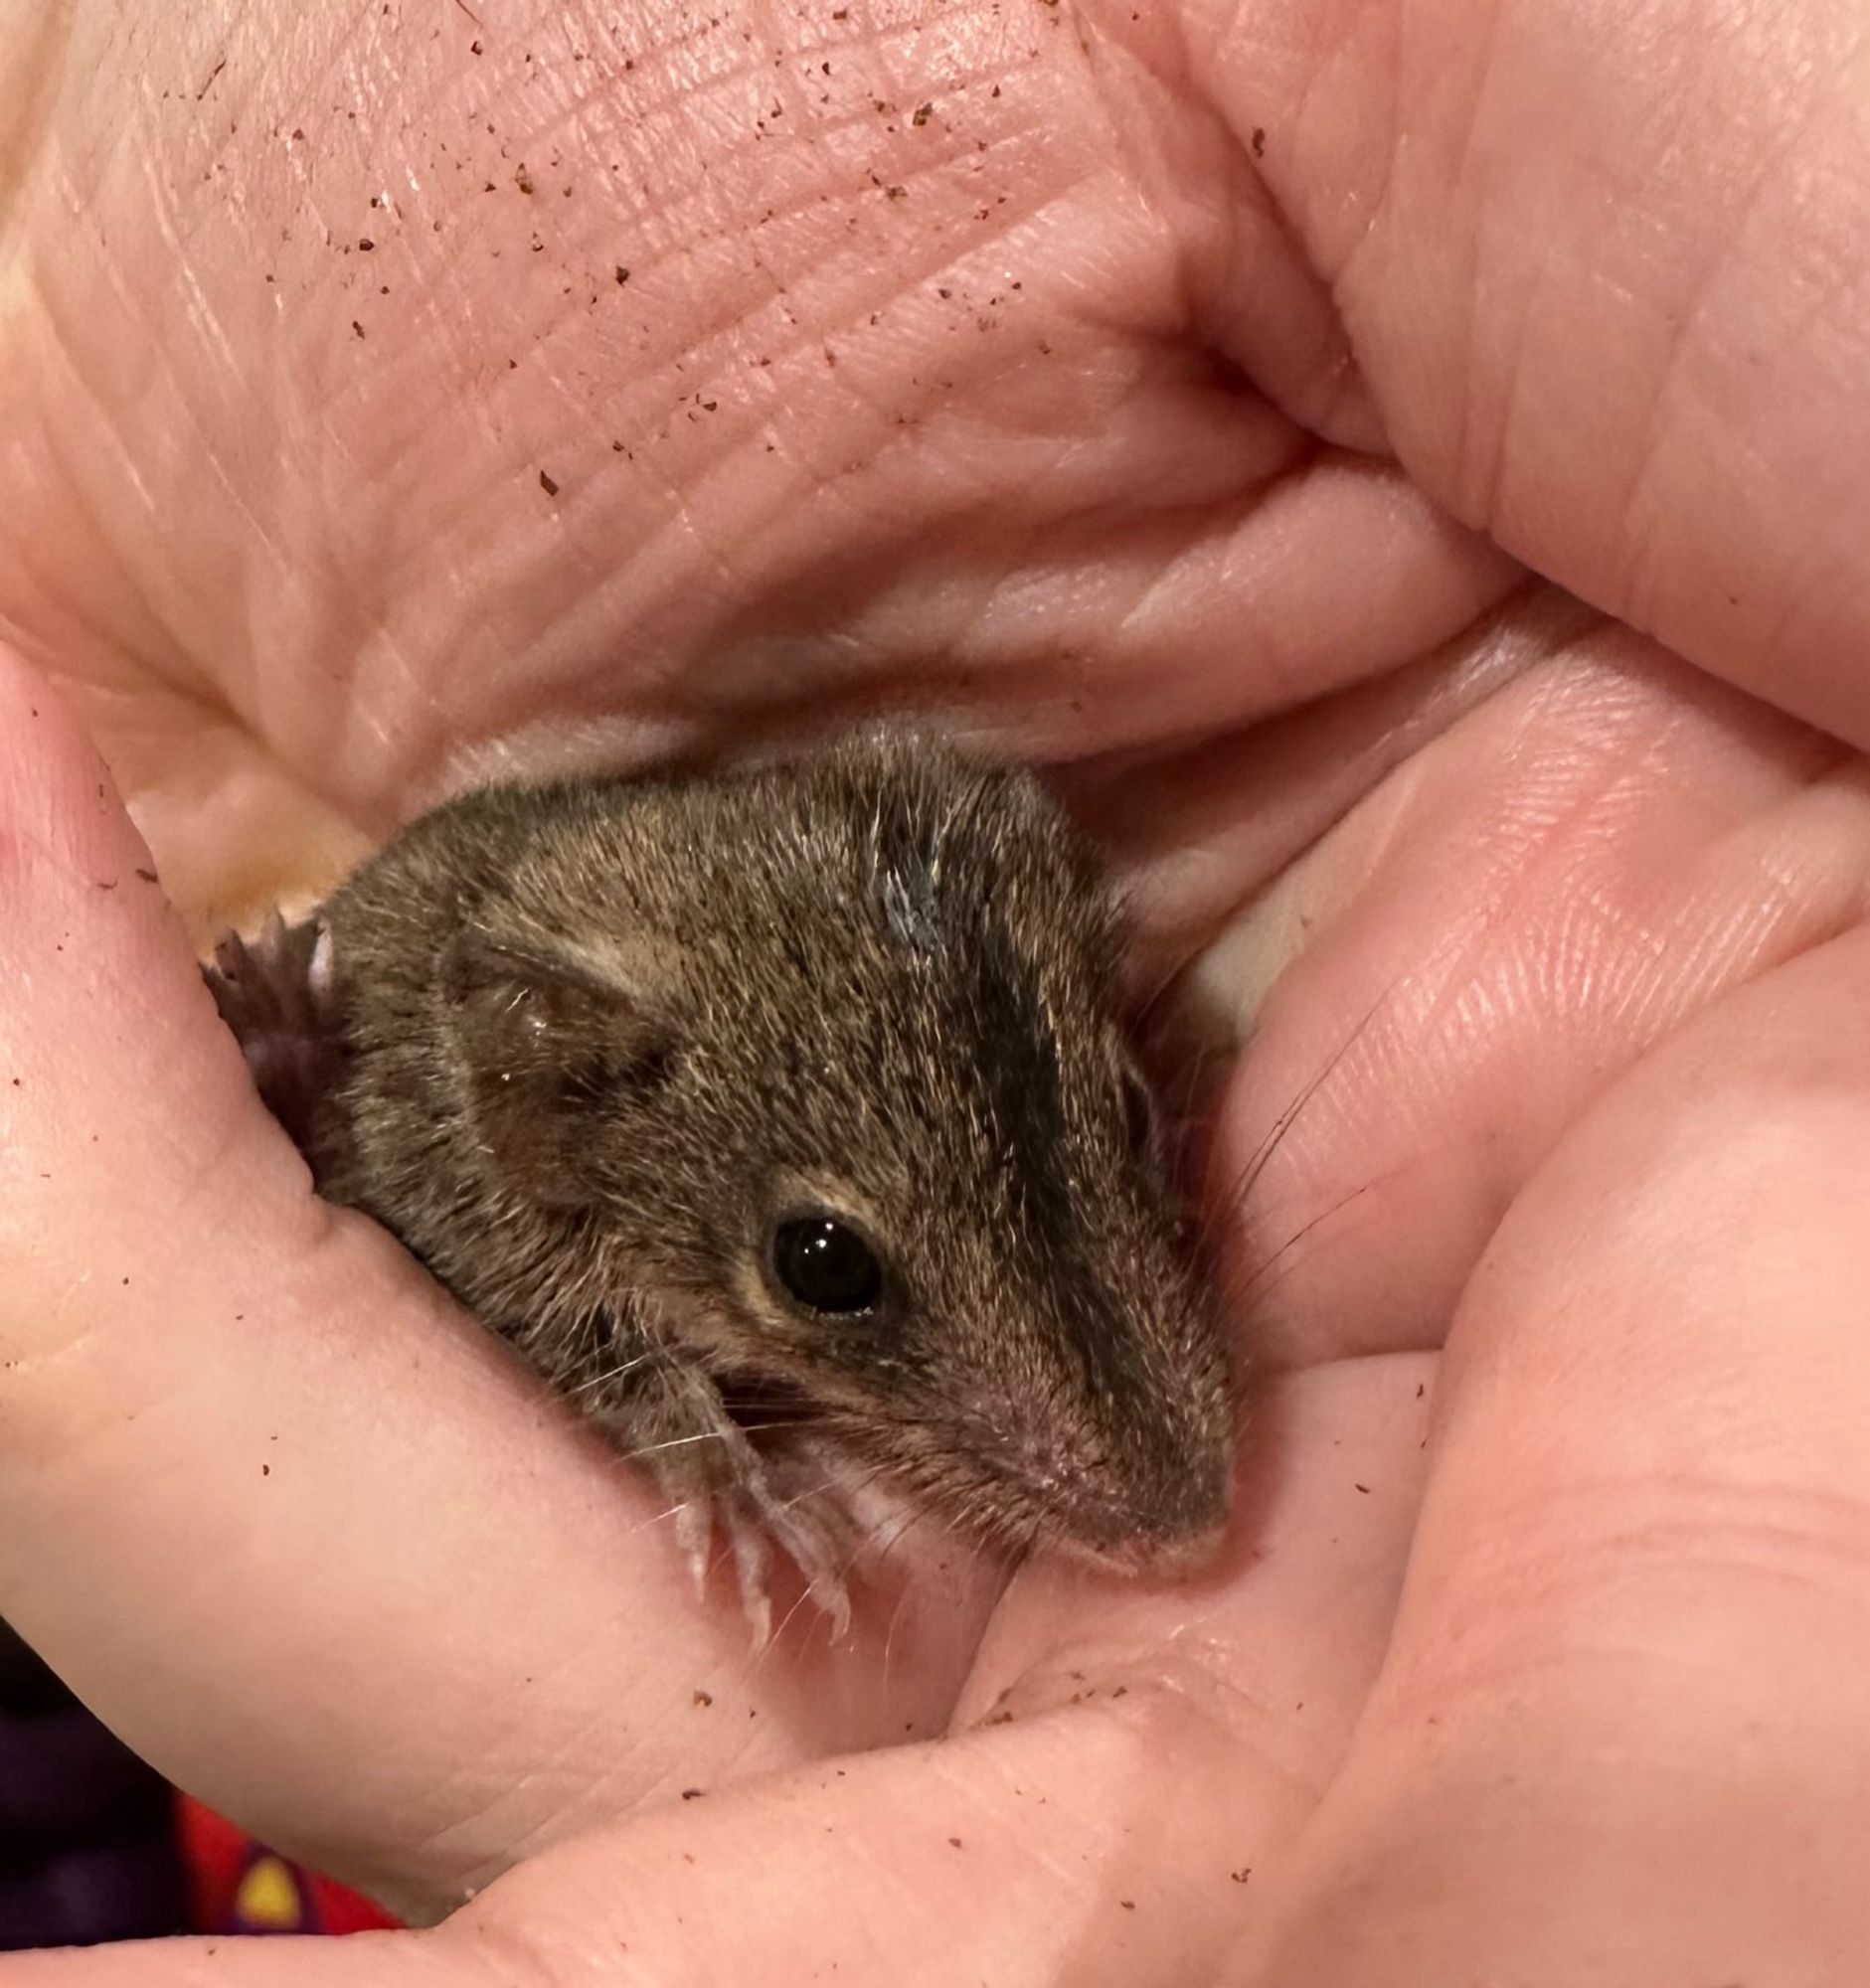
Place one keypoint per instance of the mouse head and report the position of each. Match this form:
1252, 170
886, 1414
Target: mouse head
828, 1061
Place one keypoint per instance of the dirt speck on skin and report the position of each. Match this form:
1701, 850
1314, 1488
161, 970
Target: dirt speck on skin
704, 1699
921, 114
356, 327
622, 274
547, 484
523, 179
1260, 142
692, 1794
954, 1842
1241, 1875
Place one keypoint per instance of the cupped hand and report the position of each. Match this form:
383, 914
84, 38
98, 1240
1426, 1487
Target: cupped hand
1211, 402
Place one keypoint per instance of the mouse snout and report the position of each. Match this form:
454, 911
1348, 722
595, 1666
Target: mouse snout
1161, 1529
1157, 1508
1168, 1559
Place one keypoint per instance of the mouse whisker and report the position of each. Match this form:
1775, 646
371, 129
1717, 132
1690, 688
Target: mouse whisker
784, 1623
883, 1553
1225, 1207
889, 1632
726, 1435
832, 1483
1255, 1285
610, 1374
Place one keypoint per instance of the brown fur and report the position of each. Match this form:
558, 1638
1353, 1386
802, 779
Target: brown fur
595, 1037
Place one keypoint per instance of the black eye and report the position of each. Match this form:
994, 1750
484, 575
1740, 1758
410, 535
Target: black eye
827, 1266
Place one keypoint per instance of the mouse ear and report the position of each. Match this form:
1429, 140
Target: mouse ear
551, 1046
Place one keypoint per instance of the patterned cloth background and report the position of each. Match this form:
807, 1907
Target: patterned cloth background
88, 1848
239, 1886
94, 1846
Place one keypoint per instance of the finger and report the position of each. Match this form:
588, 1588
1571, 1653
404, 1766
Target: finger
942, 432
1624, 1729
281, 1515
1111, 1815
1602, 270
1438, 989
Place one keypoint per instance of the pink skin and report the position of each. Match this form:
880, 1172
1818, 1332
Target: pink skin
1272, 336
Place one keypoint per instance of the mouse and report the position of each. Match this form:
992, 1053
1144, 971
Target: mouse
787, 1120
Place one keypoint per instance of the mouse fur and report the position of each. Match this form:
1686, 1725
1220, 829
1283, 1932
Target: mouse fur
587, 1046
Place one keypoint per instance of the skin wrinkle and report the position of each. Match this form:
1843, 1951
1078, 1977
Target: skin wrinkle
164, 662
1327, 397
32, 50
1289, 1763
1437, 76
1373, 208
1780, 904
1678, 320
1515, 873
1686, 321
1548, 1560
1136, 143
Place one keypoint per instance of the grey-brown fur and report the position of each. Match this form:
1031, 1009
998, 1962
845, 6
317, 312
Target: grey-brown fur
586, 1041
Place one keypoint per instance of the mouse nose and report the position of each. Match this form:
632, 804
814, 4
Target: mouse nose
1159, 1509
1146, 1537
1177, 1557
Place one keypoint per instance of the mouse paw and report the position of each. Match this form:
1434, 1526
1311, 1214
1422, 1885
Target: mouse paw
732, 1499
274, 992
812, 1541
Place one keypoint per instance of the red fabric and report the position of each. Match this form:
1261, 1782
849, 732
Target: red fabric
237, 1886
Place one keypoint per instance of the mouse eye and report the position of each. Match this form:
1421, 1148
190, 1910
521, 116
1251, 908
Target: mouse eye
826, 1265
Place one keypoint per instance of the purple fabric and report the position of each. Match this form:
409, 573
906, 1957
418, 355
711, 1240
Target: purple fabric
87, 1849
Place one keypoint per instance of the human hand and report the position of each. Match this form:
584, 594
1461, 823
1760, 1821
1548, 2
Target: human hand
1501, 851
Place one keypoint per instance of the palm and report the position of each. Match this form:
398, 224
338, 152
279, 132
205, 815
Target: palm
975, 431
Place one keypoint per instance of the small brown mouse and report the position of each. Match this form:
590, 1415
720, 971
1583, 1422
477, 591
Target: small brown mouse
784, 1121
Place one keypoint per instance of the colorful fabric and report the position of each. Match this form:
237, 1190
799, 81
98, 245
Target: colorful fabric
94, 1846
87, 1849
237, 1886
